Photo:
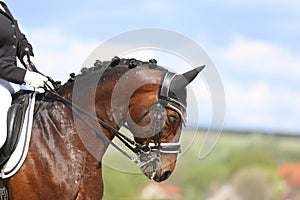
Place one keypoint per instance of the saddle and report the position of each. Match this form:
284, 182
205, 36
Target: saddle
15, 119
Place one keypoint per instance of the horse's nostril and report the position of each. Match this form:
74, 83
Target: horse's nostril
165, 175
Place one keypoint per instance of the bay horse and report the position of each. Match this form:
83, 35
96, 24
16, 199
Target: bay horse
64, 157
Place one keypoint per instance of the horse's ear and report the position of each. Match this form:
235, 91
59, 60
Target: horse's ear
191, 75
182, 80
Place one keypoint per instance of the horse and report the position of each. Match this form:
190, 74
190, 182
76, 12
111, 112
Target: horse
65, 152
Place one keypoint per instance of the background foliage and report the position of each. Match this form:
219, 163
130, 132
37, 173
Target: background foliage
234, 158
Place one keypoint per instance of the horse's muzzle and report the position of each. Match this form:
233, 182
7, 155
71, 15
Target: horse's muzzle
154, 168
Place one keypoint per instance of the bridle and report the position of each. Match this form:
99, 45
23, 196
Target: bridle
157, 120
145, 153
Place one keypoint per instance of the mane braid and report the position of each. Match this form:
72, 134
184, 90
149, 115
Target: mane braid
115, 62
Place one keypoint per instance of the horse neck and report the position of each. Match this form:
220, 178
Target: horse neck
57, 129
92, 92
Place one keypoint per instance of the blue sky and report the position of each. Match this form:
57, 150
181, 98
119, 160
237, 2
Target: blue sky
255, 46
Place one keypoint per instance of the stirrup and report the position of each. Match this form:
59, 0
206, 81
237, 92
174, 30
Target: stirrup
3, 191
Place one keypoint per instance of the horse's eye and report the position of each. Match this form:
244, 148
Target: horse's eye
172, 120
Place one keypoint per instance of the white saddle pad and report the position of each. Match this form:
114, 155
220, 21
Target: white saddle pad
18, 157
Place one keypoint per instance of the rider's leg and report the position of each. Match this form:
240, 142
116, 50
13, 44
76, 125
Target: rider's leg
5, 101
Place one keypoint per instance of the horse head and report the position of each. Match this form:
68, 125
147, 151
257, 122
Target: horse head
151, 103
156, 112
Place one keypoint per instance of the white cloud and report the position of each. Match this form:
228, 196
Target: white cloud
157, 7
261, 57
262, 106
57, 54
291, 5
269, 102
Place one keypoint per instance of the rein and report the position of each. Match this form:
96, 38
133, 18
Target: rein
144, 152
79, 112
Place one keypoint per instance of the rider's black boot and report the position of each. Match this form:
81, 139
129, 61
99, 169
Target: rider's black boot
3, 191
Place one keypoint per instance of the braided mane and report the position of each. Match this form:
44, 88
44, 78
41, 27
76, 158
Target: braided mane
116, 61
108, 65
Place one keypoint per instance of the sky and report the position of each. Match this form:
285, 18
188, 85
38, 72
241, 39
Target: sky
254, 45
